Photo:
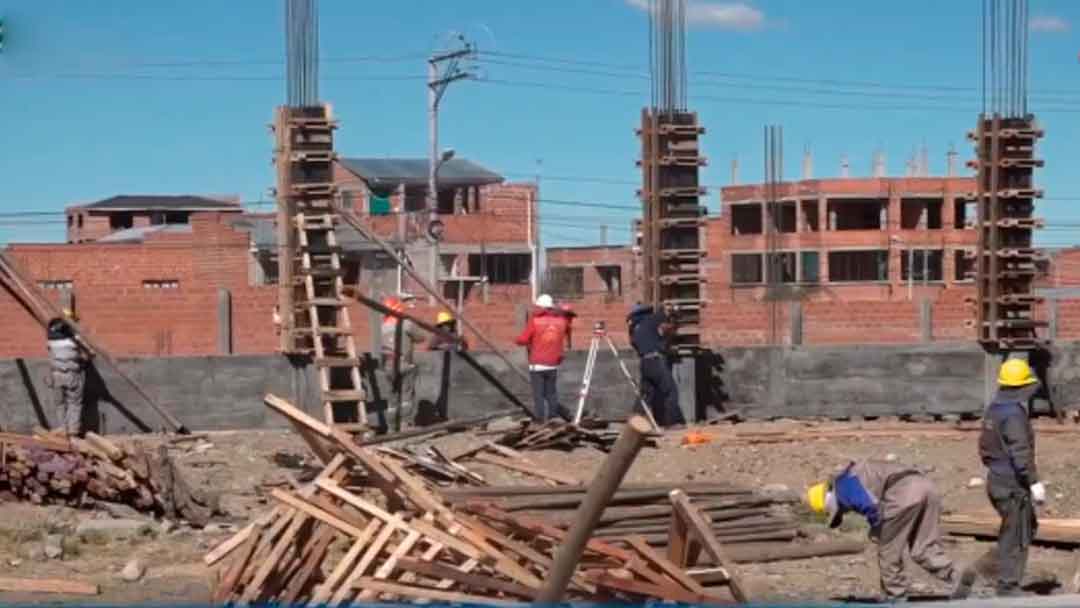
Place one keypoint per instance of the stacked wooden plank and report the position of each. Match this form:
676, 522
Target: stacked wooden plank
325, 543
737, 515
1064, 532
48, 468
559, 435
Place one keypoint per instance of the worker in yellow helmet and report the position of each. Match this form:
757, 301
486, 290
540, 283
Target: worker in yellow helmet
1007, 449
903, 508
448, 325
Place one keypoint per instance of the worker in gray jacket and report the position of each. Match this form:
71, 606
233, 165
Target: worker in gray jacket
903, 507
1007, 449
67, 374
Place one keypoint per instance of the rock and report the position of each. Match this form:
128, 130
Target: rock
166, 526
15, 563
118, 528
890, 457
976, 482
133, 571
54, 546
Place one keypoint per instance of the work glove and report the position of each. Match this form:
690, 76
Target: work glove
1038, 493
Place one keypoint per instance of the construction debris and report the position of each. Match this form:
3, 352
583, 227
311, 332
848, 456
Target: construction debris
48, 585
561, 435
49, 468
326, 543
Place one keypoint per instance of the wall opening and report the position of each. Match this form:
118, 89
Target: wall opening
964, 214
857, 214
925, 213
746, 219
122, 220
853, 266
783, 217
781, 267
612, 278
566, 282
501, 268
747, 269
928, 264
811, 267
964, 265
810, 218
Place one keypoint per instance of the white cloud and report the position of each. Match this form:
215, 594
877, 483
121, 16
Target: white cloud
1048, 23
736, 16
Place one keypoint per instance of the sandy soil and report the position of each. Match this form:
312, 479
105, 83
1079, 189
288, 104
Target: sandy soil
243, 465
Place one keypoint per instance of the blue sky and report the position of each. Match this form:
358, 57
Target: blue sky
119, 96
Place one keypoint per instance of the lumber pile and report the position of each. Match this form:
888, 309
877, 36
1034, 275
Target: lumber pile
1050, 531
46, 468
558, 435
323, 543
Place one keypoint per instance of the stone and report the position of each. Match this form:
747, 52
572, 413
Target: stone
54, 546
890, 457
976, 482
15, 563
118, 528
166, 526
133, 571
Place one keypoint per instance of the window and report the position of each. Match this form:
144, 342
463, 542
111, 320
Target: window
612, 278
746, 269
446, 201
810, 216
161, 284
847, 266
71, 220
566, 281
811, 266
746, 219
927, 262
121, 221
56, 284
781, 267
157, 218
80, 220
177, 217
266, 270
922, 213
964, 214
783, 217
964, 264
415, 198
501, 268
857, 214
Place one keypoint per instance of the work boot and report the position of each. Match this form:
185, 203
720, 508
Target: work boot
962, 582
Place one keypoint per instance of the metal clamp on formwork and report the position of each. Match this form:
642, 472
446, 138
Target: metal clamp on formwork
1022, 253
692, 130
674, 160
688, 255
681, 222
690, 192
314, 156
1026, 132
1020, 300
1024, 223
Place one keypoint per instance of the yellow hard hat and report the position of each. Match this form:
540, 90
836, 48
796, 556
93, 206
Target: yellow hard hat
68, 314
444, 317
1016, 372
815, 497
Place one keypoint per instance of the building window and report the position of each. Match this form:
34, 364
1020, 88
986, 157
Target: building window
927, 262
71, 220
746, 219
783, 217
177, 217
566, 281
964, 265
415, 198
612, 278
810, 216
811, 267
161, 284
121, 221
781, 267
853, 266
924, 213
857, 214
501, 268
747, 269
80, 220
964, 214
56, 284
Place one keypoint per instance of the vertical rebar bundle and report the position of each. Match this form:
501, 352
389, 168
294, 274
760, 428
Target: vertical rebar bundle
302, 53
1005, 57
667, 49
774, 178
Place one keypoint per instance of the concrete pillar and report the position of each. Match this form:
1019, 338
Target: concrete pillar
686, 380
890, 220
823, 213
224, 315
796, 324
926, 320
375, 330
1052, 313
799, 221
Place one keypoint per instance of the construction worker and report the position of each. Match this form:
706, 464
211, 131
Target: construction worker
903, 507
67, 363
448, 324
399, 339
648, 331
545, 338
1007, 449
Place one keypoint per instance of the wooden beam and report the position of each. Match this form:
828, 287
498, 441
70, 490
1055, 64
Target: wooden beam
428, 593
473, 581
665, 565
323, 591
48, 585
313, 511
701, 529
527, 468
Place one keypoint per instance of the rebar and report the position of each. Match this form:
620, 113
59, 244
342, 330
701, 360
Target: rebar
667, 49
302, 53
1005, 57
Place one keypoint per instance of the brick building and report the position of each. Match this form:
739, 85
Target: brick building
93, 221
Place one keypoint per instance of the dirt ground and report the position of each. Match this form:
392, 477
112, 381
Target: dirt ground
244, 465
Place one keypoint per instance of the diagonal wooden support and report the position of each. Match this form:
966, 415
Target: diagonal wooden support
699, 527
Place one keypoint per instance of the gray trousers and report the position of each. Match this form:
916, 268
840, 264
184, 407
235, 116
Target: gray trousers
1018, 526
915, 530
401, 407
68, 400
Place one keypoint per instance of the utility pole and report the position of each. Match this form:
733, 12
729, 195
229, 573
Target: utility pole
533, 220
439, 77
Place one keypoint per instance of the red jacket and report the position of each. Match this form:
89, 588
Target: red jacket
545, 336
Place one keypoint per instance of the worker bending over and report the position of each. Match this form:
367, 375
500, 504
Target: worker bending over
903, 508
649, 331
448, 324
67, 366
1007, 449
399, 340
545, 337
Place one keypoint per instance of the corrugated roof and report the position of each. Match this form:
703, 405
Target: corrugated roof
138, 235
393, 172
157, 202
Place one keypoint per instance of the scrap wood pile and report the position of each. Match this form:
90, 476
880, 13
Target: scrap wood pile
323, 542
47, 468
559, 435
1064, 532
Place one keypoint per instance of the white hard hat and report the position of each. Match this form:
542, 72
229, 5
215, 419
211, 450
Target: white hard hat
545, 301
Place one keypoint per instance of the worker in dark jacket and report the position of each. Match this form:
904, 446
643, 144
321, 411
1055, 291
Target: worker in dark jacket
649, 330
903, 508
67, 366
1007, 449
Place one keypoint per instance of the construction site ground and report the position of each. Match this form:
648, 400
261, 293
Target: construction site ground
243, 465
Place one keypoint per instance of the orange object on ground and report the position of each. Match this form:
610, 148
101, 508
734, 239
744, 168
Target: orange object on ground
696, 438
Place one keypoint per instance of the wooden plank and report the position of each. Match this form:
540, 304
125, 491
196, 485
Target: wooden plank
635, 587
227, 585
352, 499
114, 452
26, 441
387, 567
347, 590
472, 581
527, 468
254, 589
313, 511
428, 593
310, 560
227, 547
665, 565
415, 489
323, 591
294, 413
700, 527
678, 540
48, 585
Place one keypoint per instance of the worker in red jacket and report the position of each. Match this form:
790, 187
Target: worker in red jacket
545, 336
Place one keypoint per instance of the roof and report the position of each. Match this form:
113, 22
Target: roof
138, 235
157, 202
264, 235
393, 172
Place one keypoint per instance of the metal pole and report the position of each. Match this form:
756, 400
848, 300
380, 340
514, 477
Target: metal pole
402, 216
600, 491
534, 234
433, 159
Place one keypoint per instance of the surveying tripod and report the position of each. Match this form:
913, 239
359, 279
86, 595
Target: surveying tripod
600, 333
